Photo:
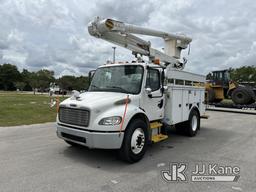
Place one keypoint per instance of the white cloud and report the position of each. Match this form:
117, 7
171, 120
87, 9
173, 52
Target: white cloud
53, 33
245, 57
17, 57
15, 36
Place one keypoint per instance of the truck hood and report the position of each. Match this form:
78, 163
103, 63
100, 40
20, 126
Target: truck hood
95, 100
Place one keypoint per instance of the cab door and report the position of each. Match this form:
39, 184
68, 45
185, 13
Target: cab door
152, 100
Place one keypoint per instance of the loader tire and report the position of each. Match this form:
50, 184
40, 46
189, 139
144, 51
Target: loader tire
243, 95
135, 141
253, 96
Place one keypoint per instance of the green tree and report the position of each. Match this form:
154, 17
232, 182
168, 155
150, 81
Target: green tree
20, 85
9, 75
81, 83
67, 82
45, 77
26, 75
33, 81
244, 74
70, 83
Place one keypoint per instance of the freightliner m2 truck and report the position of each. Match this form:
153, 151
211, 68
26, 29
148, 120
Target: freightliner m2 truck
129, 105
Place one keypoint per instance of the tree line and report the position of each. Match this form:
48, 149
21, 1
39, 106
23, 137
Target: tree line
12, 79
244, 74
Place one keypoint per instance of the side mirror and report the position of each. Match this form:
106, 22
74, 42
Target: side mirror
148, 90
75, 95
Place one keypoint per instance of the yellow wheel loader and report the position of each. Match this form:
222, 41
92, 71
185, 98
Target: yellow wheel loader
219, 86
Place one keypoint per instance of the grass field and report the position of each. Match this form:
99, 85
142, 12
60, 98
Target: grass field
24, 109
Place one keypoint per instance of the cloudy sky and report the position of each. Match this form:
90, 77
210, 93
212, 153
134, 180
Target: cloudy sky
52, 34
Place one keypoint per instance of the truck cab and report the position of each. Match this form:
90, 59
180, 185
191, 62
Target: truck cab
127, 106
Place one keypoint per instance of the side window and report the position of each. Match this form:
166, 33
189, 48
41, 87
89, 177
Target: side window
153, 79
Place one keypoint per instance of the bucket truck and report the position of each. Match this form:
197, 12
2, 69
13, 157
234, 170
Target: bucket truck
129, 105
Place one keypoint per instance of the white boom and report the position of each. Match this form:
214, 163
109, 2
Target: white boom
120, 33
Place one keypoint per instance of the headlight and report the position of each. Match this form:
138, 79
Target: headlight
115, 120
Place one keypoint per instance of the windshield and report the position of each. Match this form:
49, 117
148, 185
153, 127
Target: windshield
124, 79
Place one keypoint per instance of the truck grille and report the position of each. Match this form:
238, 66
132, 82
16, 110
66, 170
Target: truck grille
73, 116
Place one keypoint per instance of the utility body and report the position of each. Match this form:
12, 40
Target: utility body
129, 105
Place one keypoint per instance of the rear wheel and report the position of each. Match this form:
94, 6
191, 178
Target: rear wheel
243, 95
135, 141
193, 123
191, 126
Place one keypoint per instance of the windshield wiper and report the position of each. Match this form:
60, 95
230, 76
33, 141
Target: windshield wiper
120, 88
94, 86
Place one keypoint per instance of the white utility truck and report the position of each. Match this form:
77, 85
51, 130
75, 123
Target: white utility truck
129, 105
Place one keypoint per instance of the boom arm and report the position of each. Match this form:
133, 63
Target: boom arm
121, 34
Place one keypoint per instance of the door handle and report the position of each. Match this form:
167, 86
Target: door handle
160, 104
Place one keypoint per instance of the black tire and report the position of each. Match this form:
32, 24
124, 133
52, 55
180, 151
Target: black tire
186, 128
190, 130
181, 128
252, 94
126, 152
242, 96
210, 95
73, 144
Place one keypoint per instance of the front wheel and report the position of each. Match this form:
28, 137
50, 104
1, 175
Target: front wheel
135, 141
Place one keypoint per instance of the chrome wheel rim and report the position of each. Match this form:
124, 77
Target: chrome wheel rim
137, 141
194, 123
